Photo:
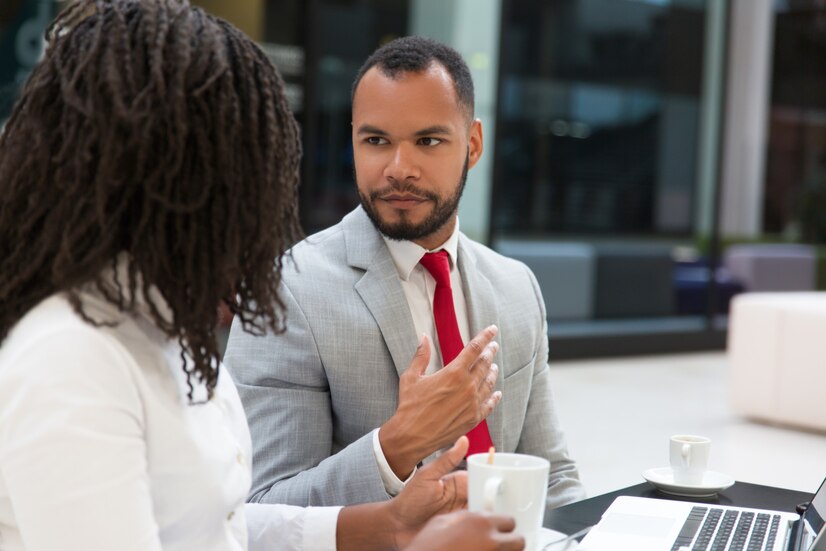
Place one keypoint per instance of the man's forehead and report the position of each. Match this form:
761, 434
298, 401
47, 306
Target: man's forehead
433, 70
429, 96
434, 81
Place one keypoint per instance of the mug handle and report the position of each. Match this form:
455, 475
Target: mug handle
493, 488
686, 452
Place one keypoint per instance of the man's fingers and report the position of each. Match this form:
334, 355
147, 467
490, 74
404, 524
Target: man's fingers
455, 485
490, 404
482, 366
475, 347
488, 382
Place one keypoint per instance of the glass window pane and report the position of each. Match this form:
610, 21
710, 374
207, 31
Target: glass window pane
795, 192
597, 173
599, 117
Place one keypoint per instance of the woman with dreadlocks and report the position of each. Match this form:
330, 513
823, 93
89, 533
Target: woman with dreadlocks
147, 172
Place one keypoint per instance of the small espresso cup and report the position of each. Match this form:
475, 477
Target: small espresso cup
515, 485
689, 458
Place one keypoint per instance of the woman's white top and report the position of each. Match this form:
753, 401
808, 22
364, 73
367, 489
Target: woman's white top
100, 449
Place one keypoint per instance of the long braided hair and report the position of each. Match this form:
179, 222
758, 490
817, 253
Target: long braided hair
154, 132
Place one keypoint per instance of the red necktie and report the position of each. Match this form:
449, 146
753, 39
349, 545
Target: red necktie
450, 340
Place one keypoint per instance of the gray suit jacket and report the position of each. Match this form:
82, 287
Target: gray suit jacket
313, 394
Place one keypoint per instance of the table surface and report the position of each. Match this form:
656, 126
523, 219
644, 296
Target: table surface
576, 516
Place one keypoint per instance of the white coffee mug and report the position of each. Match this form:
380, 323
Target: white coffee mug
689, 458
515, 485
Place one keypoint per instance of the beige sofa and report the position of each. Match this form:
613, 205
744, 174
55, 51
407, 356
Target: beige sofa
777, 357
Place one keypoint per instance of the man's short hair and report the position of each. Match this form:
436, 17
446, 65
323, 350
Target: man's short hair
415, 54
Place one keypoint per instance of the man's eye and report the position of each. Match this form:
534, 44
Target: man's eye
375, 140
430, 142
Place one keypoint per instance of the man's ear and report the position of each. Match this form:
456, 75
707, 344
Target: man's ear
475, 142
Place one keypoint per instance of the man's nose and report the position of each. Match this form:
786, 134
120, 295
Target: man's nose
403, 165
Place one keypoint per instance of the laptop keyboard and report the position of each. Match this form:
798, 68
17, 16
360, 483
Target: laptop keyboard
714, 529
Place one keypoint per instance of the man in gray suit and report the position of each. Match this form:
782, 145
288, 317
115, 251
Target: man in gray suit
337, 416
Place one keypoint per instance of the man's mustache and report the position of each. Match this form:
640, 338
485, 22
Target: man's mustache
405, 188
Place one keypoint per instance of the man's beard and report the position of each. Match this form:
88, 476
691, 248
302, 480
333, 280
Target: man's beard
404, 230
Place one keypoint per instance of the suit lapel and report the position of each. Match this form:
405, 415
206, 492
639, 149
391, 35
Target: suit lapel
482, 311
380, 288
382, 294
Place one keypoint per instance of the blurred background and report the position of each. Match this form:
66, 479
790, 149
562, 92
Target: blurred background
660, 165
649, 159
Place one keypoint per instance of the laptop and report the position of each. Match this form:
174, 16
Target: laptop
647, 524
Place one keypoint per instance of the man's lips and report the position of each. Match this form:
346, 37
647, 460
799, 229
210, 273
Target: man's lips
402, 200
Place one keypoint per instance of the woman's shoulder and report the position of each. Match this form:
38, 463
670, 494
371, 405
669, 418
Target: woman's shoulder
52, 339
49, 319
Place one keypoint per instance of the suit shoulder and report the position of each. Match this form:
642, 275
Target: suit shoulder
318, 249
492, 262
516, 288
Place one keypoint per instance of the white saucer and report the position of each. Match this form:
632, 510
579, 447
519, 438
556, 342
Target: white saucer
546, 536
662, 478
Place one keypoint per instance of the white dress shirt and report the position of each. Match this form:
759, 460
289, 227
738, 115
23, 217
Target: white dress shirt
419, 288
100, 448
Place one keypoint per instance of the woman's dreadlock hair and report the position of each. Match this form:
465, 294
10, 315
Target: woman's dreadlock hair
155, 133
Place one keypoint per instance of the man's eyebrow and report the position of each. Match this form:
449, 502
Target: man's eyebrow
436, 129
369, 129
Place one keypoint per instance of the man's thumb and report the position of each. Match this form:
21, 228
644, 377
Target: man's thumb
421, 359
450, 459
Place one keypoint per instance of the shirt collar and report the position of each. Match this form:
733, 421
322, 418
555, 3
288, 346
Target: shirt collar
407, 254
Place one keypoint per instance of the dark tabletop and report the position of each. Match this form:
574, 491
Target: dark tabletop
573, 517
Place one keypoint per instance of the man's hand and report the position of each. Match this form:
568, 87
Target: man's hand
464, 531
436, 409
435, 489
